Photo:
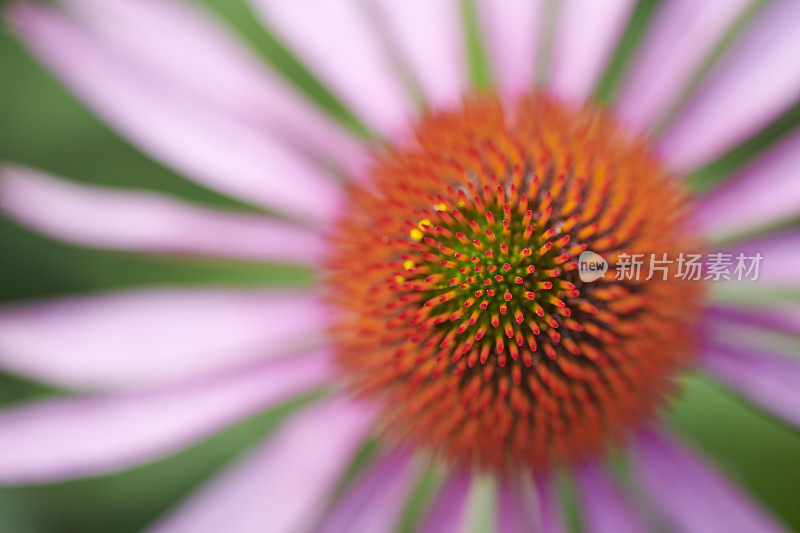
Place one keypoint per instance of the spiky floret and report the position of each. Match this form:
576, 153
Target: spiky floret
456, 296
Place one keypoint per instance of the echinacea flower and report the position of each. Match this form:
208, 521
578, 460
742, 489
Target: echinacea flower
444, 216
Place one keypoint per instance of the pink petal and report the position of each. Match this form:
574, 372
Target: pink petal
743, 93
517, 506
447, 512
180, 43
783, 317
283, 485
75, 437
681, 35
552, 516
208, 145
150, 337
336, 41
512, 31
587, 31
427, 33
768, 380
605, 509
765, 191
689, 494
375, 501
147, 222
781, 255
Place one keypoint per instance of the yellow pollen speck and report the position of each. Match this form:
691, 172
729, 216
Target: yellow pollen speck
424, 222
416, 234
441, 207
400, 279
409, 264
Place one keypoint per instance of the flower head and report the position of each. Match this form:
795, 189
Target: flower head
454, 281
478, 151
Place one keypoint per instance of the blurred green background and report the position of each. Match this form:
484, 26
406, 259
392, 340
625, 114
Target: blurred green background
42, 125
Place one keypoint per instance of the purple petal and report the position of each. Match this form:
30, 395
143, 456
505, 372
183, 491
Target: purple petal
517, 506
742, 93
447, 512
150, 337
336, 41
512, 32
783, 317
147, 222
552, 517
781, 255
690, 495
586, 33
768, 380
680, 37
75, 437
181, 44
427, 33
605, 509
765, 191
206, 144
523, 507
284, 485
376, 499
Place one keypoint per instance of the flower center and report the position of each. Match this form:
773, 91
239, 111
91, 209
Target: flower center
458, 302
